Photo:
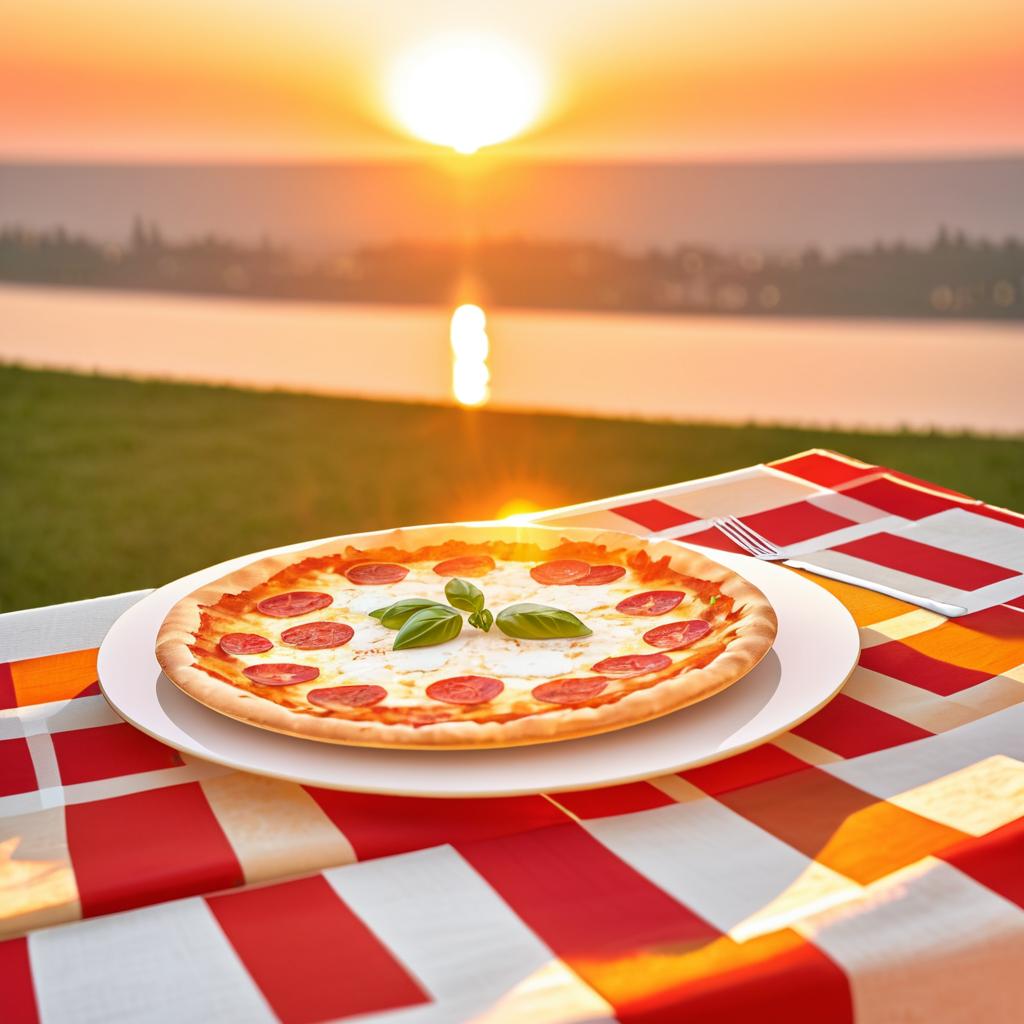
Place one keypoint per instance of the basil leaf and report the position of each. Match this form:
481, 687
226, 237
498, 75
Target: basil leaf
482, 620
539, 622
394, 616
429, 626
463, 595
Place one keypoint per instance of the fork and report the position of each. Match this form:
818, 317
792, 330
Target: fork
748, 538
754, 543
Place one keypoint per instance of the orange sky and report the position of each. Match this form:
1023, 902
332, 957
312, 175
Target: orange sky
649, 79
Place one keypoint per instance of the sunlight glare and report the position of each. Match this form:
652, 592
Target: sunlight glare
466, 91
470, 347
518, 510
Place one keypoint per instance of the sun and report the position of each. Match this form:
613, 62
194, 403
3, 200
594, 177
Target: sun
466, 91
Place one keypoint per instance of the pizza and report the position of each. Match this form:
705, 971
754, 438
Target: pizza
372, 639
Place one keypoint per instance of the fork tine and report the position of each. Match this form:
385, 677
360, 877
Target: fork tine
738, 537
754, 537
723, 527
764, 541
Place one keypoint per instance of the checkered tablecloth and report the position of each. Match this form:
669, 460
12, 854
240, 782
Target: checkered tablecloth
867, 866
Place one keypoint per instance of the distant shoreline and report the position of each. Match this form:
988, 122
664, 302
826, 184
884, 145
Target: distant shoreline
953, 276
1012, 316
1007, 320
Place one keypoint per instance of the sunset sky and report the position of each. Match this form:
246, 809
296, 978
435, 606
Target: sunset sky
647, 80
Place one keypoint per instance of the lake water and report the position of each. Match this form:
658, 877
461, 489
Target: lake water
860, 374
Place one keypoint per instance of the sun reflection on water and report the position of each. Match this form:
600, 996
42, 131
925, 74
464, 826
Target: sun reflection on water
470, 347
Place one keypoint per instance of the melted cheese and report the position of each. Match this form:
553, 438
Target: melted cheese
520, 664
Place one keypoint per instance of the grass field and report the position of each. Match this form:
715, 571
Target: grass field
110, 485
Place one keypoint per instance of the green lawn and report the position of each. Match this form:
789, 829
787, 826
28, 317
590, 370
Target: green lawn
110, 485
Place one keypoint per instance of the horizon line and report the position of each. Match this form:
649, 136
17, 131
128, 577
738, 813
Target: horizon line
485, 159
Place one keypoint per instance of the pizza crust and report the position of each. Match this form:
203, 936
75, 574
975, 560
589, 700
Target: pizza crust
753, 638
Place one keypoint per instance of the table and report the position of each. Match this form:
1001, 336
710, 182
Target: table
867, 866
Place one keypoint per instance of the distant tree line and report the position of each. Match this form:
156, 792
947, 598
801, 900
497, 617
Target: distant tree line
954, 276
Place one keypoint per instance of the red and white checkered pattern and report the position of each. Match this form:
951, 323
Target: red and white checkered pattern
843, 518
864, 867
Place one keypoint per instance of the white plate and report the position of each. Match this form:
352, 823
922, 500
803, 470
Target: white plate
816, 650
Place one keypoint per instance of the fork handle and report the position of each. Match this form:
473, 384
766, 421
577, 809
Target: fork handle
951, 611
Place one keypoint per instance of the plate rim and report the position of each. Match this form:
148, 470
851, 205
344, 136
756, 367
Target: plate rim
427, 793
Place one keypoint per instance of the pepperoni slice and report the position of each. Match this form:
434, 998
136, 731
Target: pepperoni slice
674, 636
562, 570
315, 636
651, 602
570, 691
465, 689
280, 673
633, 664
372, 574
244, 643
296, 602
465, 565
601, 574
338, 698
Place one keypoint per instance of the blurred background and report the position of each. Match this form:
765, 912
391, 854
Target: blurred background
272, 271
